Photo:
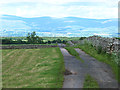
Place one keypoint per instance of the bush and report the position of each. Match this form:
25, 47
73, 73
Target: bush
116, 57
99, 49
67, 44
49, 42
81, 38
6, 41
64, 41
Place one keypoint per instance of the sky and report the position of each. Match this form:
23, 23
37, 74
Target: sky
97, 9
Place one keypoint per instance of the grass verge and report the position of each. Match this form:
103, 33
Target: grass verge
73, 52
32, 68
90, 83
103, 57
67, 44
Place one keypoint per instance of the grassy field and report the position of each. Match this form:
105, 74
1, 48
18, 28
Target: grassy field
62, 38
72, 51
32, 68
44, 38
103, 57
90, 83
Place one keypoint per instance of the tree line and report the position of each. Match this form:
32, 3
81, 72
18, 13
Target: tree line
31, 38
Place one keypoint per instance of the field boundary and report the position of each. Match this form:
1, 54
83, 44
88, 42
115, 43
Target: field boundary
27, 46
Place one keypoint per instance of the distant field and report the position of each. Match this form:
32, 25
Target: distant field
32, 68
45, 38
13, 38
62, 38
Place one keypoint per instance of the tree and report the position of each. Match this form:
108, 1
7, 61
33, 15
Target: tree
49, 42
81, 38
6, 41
64, 41
58, 41
34, 39
54, 41
19, 41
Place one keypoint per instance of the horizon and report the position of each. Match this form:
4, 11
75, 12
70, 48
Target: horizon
49, 26
71, 18
55, 17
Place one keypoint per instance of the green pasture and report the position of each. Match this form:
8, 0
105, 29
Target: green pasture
44, 38
32, 68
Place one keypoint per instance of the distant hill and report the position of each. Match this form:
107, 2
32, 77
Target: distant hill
48, 26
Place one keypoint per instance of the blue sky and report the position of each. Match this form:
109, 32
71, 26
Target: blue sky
97, 9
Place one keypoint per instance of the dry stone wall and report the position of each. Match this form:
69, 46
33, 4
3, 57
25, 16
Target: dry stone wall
108, 44
27, 46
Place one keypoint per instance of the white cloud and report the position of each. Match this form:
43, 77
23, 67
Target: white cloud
102, 34
106, 21
56, 8
68, 26
57, 1
69, 33
69, 21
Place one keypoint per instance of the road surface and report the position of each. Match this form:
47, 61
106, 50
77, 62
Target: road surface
98, 70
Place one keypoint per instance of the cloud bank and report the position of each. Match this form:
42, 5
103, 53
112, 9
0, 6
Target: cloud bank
98, 9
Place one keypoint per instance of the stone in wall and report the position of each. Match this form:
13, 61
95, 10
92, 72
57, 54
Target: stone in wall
108, 44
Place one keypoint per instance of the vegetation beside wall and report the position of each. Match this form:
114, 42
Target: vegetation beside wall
102, 56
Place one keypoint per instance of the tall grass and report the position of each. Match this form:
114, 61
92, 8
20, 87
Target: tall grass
90, 83
67, 44
73, 52
100, 55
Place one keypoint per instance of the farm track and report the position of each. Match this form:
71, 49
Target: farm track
98, 70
